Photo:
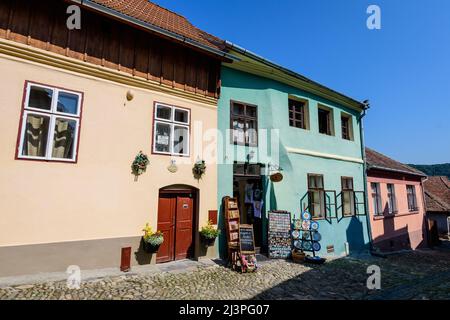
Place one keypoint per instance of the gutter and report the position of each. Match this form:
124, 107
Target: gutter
366, 191
395, 170
276, 66
118, 15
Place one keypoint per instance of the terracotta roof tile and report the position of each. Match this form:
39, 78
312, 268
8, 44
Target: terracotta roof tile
376, 159
437, 190
151, 13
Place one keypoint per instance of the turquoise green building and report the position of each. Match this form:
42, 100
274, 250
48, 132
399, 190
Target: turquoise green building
274, 121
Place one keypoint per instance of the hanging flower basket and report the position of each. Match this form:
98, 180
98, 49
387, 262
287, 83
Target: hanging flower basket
152, 240
208, 234
199, 169
140, 164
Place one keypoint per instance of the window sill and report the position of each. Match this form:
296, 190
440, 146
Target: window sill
171, 155
69, 161
245, 145
391, 216
326, 134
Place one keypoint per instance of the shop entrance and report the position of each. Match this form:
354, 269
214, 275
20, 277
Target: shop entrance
249, 190
176, 217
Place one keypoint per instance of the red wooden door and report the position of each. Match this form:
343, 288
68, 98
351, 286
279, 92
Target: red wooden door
183, 228
175, 221
166, 224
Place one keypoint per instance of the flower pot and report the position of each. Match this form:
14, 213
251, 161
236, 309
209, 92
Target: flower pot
150, 248
208, 241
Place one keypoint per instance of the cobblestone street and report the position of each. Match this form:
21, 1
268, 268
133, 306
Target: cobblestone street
414, 275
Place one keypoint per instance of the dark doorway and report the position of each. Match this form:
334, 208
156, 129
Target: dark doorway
176, 220
248, 189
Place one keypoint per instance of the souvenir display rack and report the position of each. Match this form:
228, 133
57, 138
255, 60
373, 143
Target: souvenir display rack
305, 234
232, 222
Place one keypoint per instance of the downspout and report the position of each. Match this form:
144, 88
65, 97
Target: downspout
425, 217
363, 154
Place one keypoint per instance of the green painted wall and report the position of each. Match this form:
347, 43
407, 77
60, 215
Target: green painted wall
271, 97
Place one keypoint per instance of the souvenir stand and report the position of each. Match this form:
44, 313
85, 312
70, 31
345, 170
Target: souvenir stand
240, 238
307, 237
232, 222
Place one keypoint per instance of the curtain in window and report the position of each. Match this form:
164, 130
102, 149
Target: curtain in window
35, 141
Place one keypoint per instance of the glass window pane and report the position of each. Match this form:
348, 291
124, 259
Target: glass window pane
238, 109
163, 112
67, 103
64, 139
181, 116
40, 98
180, 140
162, 137
251, 111
250, 132
238, 131
35, 135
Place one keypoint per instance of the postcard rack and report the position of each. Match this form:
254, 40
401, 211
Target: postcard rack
232, 223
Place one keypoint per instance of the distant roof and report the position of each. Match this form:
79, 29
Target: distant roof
160, 17
377, 160
437, 192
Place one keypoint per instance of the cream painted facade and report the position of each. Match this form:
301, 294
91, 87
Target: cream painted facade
96, 200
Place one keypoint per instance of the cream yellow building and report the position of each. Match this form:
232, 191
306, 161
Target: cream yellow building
72, 123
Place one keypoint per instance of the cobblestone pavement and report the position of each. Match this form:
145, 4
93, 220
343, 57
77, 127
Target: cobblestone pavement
413, 275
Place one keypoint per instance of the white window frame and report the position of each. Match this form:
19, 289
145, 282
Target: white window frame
172, 123
52, 114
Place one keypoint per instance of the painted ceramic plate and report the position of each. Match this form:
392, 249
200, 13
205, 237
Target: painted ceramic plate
306, 245
306, 224
297, 224
295, 234
297, 244
317, 236
314, 225
316, 246
306, 236
306, 215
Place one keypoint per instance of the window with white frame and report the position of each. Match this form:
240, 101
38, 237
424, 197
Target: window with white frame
50, 124
171, 130
412, 198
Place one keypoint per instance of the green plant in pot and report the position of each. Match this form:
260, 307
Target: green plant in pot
209, 233
152, 240
140, 163
199, 169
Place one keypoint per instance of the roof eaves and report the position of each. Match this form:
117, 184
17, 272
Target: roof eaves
294, 74
371, 166
151, 27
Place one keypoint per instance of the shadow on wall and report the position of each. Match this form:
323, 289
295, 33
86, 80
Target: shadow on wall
355, 236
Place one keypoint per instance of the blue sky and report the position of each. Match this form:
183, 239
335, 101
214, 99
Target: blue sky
404, 68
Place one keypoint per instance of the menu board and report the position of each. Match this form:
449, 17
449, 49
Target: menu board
246, 239
279, 234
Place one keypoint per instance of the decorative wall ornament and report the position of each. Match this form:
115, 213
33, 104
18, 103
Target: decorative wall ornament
173, 168
130, 95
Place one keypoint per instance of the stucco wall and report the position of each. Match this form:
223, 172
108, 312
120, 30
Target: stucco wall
404, 224
98, 197
271, 98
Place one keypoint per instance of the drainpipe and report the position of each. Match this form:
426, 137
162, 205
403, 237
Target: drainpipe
425, 217
363, 154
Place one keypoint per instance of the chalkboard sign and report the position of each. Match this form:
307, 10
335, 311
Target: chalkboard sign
279, 234
246, 239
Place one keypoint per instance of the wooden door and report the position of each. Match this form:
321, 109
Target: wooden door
166, 224
184, 228
175, 220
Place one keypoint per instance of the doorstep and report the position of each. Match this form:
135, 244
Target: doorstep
93, 274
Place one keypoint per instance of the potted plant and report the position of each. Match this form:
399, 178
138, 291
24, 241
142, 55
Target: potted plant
209, 233
199, 169
152, 240
140, 164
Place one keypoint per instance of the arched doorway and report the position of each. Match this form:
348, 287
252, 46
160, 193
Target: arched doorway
178, 221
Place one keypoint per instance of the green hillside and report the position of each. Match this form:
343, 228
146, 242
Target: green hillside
434, 169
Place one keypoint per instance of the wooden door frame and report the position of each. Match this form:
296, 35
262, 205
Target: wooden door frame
180, 190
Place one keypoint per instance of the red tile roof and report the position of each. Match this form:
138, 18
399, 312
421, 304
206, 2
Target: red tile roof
437, 191
380, 161
153, 14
